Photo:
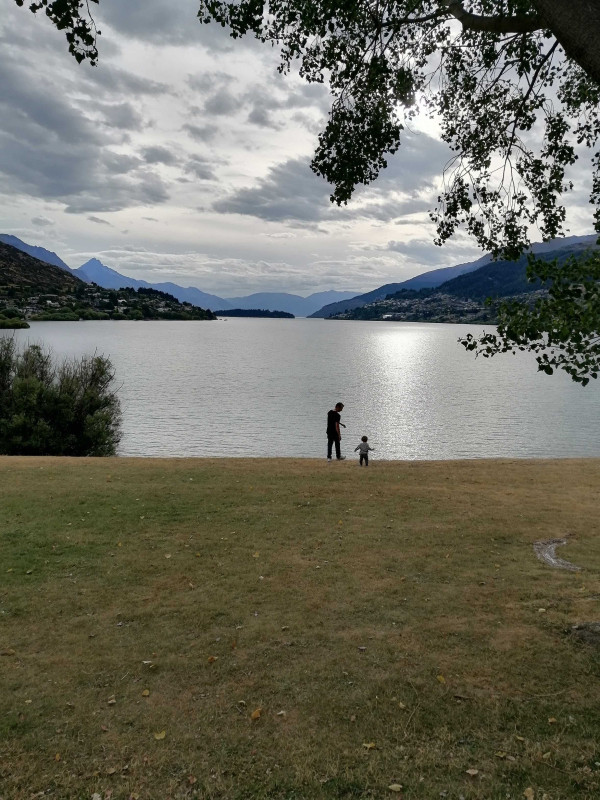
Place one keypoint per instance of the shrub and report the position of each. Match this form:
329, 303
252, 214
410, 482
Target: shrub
51, 409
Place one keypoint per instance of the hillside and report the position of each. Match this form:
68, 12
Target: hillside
462, 299
20, 272
438, 277
31, 289
40, 253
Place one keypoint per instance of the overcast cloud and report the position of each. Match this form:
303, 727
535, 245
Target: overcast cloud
185, 156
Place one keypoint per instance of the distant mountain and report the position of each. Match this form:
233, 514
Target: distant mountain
507, 278
292, 303
37, 252
94, 271
97, 272
437, 277
462, 299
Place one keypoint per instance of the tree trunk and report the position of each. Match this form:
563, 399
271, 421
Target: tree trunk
576, 25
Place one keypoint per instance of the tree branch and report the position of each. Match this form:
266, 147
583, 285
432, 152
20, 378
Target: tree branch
522, 23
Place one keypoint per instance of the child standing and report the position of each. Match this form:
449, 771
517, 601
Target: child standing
364, 448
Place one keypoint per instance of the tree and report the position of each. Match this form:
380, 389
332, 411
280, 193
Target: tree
515, 85
66, 409
562, 329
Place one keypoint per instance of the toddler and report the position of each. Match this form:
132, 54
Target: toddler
364, 448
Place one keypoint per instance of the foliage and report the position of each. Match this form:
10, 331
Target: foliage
562, 328
488, 85
12, 323
74, 17
56, 409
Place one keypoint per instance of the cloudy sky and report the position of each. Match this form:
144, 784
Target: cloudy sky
185, 156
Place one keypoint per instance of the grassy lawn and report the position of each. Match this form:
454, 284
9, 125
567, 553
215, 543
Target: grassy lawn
297, 630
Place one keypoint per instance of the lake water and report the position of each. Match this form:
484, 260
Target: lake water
252, 387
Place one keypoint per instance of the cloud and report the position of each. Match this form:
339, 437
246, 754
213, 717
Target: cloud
261, 117
98, 221
202, 133
157, 154
221, 103
121, 115
42, 222
201, 168
110, 80
52, 150
159, 22
290, 192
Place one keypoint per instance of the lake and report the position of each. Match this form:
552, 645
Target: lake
262, 387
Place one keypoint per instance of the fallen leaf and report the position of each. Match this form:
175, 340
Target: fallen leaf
520, 738
528, 793
401, 705
192, 779
212, 659
28, 702
551, 720
546, 755
395, 787
111, 770
146, 693
441, 679
167, 555
281, 713
255, 555
111, 700
369, 745
57, 757
472, 772
256, 713
160, 735
500, 754
541, 610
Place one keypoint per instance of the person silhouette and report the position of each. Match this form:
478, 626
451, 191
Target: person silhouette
334, 436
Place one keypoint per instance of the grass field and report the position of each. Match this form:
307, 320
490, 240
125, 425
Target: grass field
295, 630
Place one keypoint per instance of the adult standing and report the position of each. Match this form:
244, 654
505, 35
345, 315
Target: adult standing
333, 432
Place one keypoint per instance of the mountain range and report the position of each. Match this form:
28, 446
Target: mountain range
94, 271
499, 278
484, 267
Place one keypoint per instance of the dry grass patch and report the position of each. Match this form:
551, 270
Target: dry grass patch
384, 626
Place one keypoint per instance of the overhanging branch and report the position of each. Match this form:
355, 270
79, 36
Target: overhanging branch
523, 23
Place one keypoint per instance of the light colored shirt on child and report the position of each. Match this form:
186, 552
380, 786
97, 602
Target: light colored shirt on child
364, 448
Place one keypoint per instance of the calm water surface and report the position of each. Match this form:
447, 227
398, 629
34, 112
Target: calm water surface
251, 387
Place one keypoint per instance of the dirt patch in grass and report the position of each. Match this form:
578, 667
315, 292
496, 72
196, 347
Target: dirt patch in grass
384, 626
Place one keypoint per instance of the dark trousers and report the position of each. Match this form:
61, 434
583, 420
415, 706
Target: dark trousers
333, 440
364, 457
